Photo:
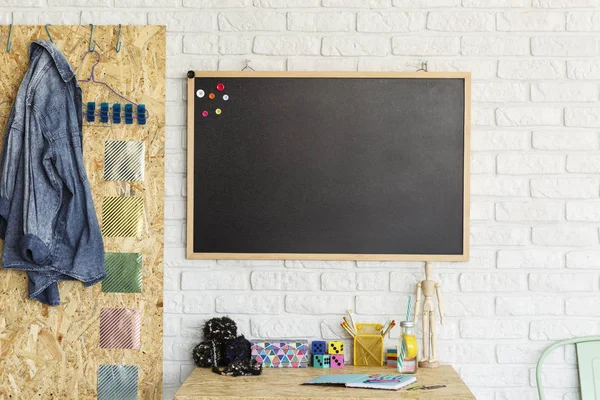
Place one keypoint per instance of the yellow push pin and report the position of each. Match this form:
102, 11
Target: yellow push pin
218, 111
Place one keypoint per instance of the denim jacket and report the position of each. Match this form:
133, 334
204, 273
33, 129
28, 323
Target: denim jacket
47, 216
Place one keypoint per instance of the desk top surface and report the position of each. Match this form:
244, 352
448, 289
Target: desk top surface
285, 383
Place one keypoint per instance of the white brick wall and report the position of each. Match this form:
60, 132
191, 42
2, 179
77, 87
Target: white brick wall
533, 277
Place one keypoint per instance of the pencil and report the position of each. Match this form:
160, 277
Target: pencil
347, 329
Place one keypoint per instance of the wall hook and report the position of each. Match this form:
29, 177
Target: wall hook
92, 48
118, 48
9, 43
48, 32
247, 66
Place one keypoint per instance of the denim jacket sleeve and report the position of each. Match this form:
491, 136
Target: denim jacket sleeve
41, 200
9, 164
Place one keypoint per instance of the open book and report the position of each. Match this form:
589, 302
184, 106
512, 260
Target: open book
376, 381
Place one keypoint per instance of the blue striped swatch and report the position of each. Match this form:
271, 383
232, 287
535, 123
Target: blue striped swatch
117, 382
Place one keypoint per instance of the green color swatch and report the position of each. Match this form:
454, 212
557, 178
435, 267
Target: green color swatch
124, 273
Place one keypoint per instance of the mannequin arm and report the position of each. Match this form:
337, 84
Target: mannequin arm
418, 300
438, 293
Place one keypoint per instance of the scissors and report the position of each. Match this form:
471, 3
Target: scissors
426, 387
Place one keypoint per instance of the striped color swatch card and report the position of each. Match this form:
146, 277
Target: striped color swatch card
123, 161
123, 273
120, 328
117, 382
123, 216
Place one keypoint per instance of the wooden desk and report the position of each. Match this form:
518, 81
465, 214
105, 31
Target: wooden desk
285, 383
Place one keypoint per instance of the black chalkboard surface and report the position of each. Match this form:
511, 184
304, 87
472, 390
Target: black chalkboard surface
347, 166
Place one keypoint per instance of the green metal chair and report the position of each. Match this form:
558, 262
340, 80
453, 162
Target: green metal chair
588, 376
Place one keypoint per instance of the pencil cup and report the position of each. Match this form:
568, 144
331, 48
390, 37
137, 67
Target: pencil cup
368, 328
368, 350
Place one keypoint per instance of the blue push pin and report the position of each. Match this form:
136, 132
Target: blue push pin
91, 111
141, 114
104, 112
128, 114
116, 113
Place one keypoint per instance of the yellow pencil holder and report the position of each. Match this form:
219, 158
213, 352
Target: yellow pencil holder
368, 349
368, 328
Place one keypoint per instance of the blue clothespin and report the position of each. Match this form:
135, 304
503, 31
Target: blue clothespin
104, 112
91, 111
128, 114
141, 114
116, 113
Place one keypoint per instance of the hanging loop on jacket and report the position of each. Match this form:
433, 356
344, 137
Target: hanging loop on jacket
118, 48
48, 32
9, 42
90, 47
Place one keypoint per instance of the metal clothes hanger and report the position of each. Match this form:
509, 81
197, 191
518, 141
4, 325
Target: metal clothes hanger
92, 77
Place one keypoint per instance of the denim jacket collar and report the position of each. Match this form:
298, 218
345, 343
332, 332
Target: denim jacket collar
62, 65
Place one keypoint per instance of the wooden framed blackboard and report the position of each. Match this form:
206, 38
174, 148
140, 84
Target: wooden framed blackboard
328, 166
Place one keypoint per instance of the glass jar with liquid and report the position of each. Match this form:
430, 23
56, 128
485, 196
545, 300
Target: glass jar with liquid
408, 350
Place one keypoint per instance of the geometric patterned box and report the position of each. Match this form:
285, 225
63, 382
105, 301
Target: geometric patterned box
280, 353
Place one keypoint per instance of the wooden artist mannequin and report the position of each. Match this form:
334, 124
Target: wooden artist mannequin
429, 287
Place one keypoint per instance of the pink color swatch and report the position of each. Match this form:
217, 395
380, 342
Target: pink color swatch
120, 328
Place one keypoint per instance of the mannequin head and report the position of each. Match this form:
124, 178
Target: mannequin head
428, 270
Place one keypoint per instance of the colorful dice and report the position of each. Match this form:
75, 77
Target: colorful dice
335, 348
319, 347
321, 361
336, 361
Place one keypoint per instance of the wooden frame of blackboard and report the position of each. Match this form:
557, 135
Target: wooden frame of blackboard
466, 76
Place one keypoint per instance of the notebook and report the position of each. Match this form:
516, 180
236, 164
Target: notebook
376, 381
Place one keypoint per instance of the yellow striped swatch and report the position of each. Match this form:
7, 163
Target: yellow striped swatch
123, 216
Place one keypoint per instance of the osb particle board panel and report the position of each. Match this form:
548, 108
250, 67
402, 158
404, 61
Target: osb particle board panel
54, 352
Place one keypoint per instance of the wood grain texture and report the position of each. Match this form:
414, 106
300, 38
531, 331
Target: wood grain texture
53, 352
191, 254
285, 384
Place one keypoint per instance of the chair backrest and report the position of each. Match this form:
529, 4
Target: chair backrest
588, 355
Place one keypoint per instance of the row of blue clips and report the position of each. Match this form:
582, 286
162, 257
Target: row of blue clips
116, 113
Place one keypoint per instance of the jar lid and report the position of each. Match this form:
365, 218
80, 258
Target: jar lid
407, 324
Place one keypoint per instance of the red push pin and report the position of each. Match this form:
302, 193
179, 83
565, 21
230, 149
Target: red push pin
220, 87
205, 113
